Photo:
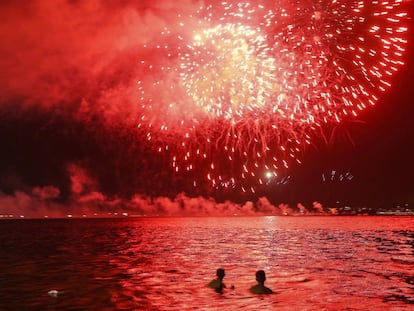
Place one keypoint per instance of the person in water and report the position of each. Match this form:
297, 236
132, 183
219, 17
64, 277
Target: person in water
217, 283
260, 288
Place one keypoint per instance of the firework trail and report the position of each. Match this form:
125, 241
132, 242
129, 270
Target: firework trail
234, 91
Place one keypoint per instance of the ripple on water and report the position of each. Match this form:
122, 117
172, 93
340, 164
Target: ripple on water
312, 263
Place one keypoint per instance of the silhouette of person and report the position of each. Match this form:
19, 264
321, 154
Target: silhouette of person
260, 288
217, 283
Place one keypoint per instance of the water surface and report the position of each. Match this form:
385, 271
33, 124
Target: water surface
311, 263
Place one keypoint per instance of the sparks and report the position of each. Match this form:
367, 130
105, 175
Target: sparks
244, 85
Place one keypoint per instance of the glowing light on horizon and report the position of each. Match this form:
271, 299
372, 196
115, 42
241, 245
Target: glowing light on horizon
235, 90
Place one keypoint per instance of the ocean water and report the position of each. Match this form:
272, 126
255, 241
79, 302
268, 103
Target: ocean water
311, 263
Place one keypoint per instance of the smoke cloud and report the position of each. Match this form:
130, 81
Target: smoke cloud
56, 52
78, 60
87, 201
96, 204
68, 93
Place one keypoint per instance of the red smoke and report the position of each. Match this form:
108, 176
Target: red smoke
87, 201
74, 64
55, 52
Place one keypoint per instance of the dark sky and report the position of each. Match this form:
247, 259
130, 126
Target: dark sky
67, 109
380, 154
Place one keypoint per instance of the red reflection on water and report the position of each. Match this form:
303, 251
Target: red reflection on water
330, 263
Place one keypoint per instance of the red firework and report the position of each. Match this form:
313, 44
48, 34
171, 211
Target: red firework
232, 92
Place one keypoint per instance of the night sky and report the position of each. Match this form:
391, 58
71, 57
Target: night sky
68, 115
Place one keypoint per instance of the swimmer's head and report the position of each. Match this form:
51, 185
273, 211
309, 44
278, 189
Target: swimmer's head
220, 273
260, 276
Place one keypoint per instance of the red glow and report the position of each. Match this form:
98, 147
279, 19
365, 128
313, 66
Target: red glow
247, 84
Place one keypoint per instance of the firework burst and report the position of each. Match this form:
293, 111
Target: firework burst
234, 91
